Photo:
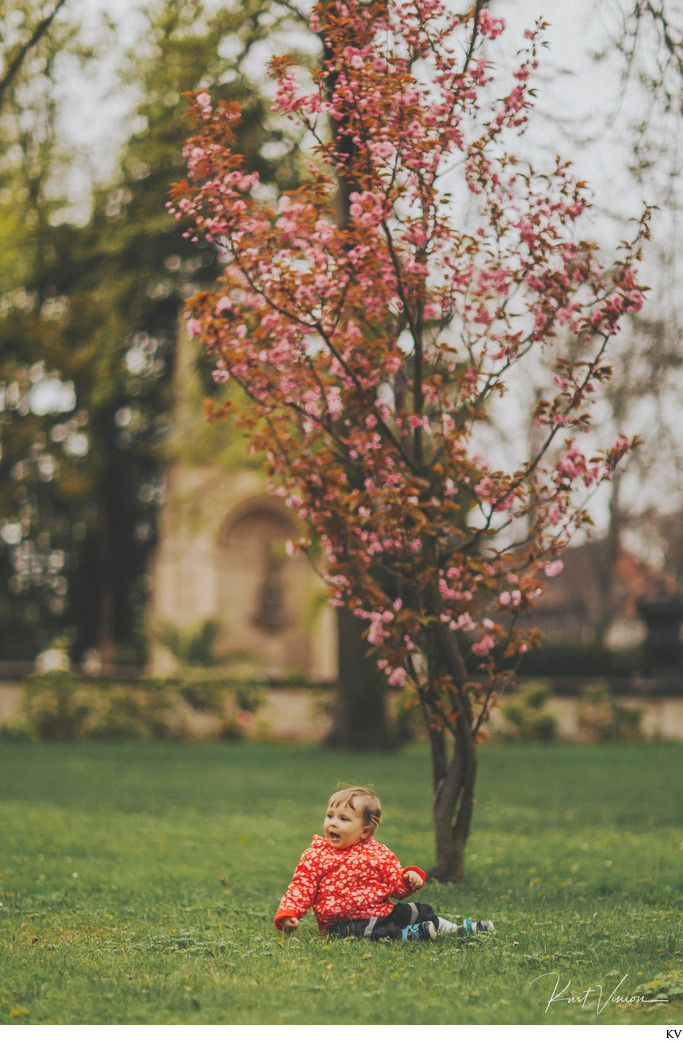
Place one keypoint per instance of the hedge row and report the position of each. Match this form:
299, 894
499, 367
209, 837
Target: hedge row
60, 705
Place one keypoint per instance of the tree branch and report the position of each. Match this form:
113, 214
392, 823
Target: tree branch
24, 49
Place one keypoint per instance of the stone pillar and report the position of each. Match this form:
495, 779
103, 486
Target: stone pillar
663, 616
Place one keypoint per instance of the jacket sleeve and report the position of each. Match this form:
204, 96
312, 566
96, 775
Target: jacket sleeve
393, 874
301, 893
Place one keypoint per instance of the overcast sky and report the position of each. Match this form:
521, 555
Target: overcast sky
577, 97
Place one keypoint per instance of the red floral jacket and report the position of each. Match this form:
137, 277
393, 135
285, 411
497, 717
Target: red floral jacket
348, 884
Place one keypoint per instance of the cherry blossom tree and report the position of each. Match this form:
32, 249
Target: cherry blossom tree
367, 358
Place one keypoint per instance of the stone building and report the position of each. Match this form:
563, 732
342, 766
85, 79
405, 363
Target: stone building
221, 552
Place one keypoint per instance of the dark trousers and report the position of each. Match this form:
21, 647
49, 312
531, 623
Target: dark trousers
375, 927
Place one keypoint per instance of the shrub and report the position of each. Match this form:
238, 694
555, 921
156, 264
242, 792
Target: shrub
54, 704
60, 705
17, 729
129, 711
524, 715
602, 719
201, 691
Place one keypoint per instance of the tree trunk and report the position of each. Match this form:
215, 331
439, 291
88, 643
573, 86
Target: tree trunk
453, 807
453, 782
606, 566
360, 711
106, 603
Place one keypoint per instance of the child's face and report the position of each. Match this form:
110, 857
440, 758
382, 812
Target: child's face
344, 826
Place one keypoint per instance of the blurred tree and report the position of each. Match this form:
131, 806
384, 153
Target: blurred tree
24, 25
137, 271
41, 460
639, 44
79, 532
647, 37
88, 328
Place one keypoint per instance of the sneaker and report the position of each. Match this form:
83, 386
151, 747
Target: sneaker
470, 927
425, 931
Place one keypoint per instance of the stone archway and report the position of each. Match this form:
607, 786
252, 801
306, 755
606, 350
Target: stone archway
263, 595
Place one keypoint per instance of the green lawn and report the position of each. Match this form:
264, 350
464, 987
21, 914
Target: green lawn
138, 884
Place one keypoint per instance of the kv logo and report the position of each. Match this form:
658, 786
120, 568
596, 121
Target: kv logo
673, 1033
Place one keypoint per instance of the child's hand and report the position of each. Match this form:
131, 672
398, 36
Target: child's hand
289, 924
413, 880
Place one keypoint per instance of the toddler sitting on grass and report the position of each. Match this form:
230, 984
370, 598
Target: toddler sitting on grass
351, 880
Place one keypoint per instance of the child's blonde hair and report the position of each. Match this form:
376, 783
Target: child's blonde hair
360, 799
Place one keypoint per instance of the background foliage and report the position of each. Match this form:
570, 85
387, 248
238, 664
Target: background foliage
88, 315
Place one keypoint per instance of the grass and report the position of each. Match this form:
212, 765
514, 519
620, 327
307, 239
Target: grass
139, 881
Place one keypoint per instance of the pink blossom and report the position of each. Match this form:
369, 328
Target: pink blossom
377, 634
491, 27
334, 402
483, 647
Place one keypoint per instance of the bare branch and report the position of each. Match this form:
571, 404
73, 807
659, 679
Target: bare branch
23, 50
